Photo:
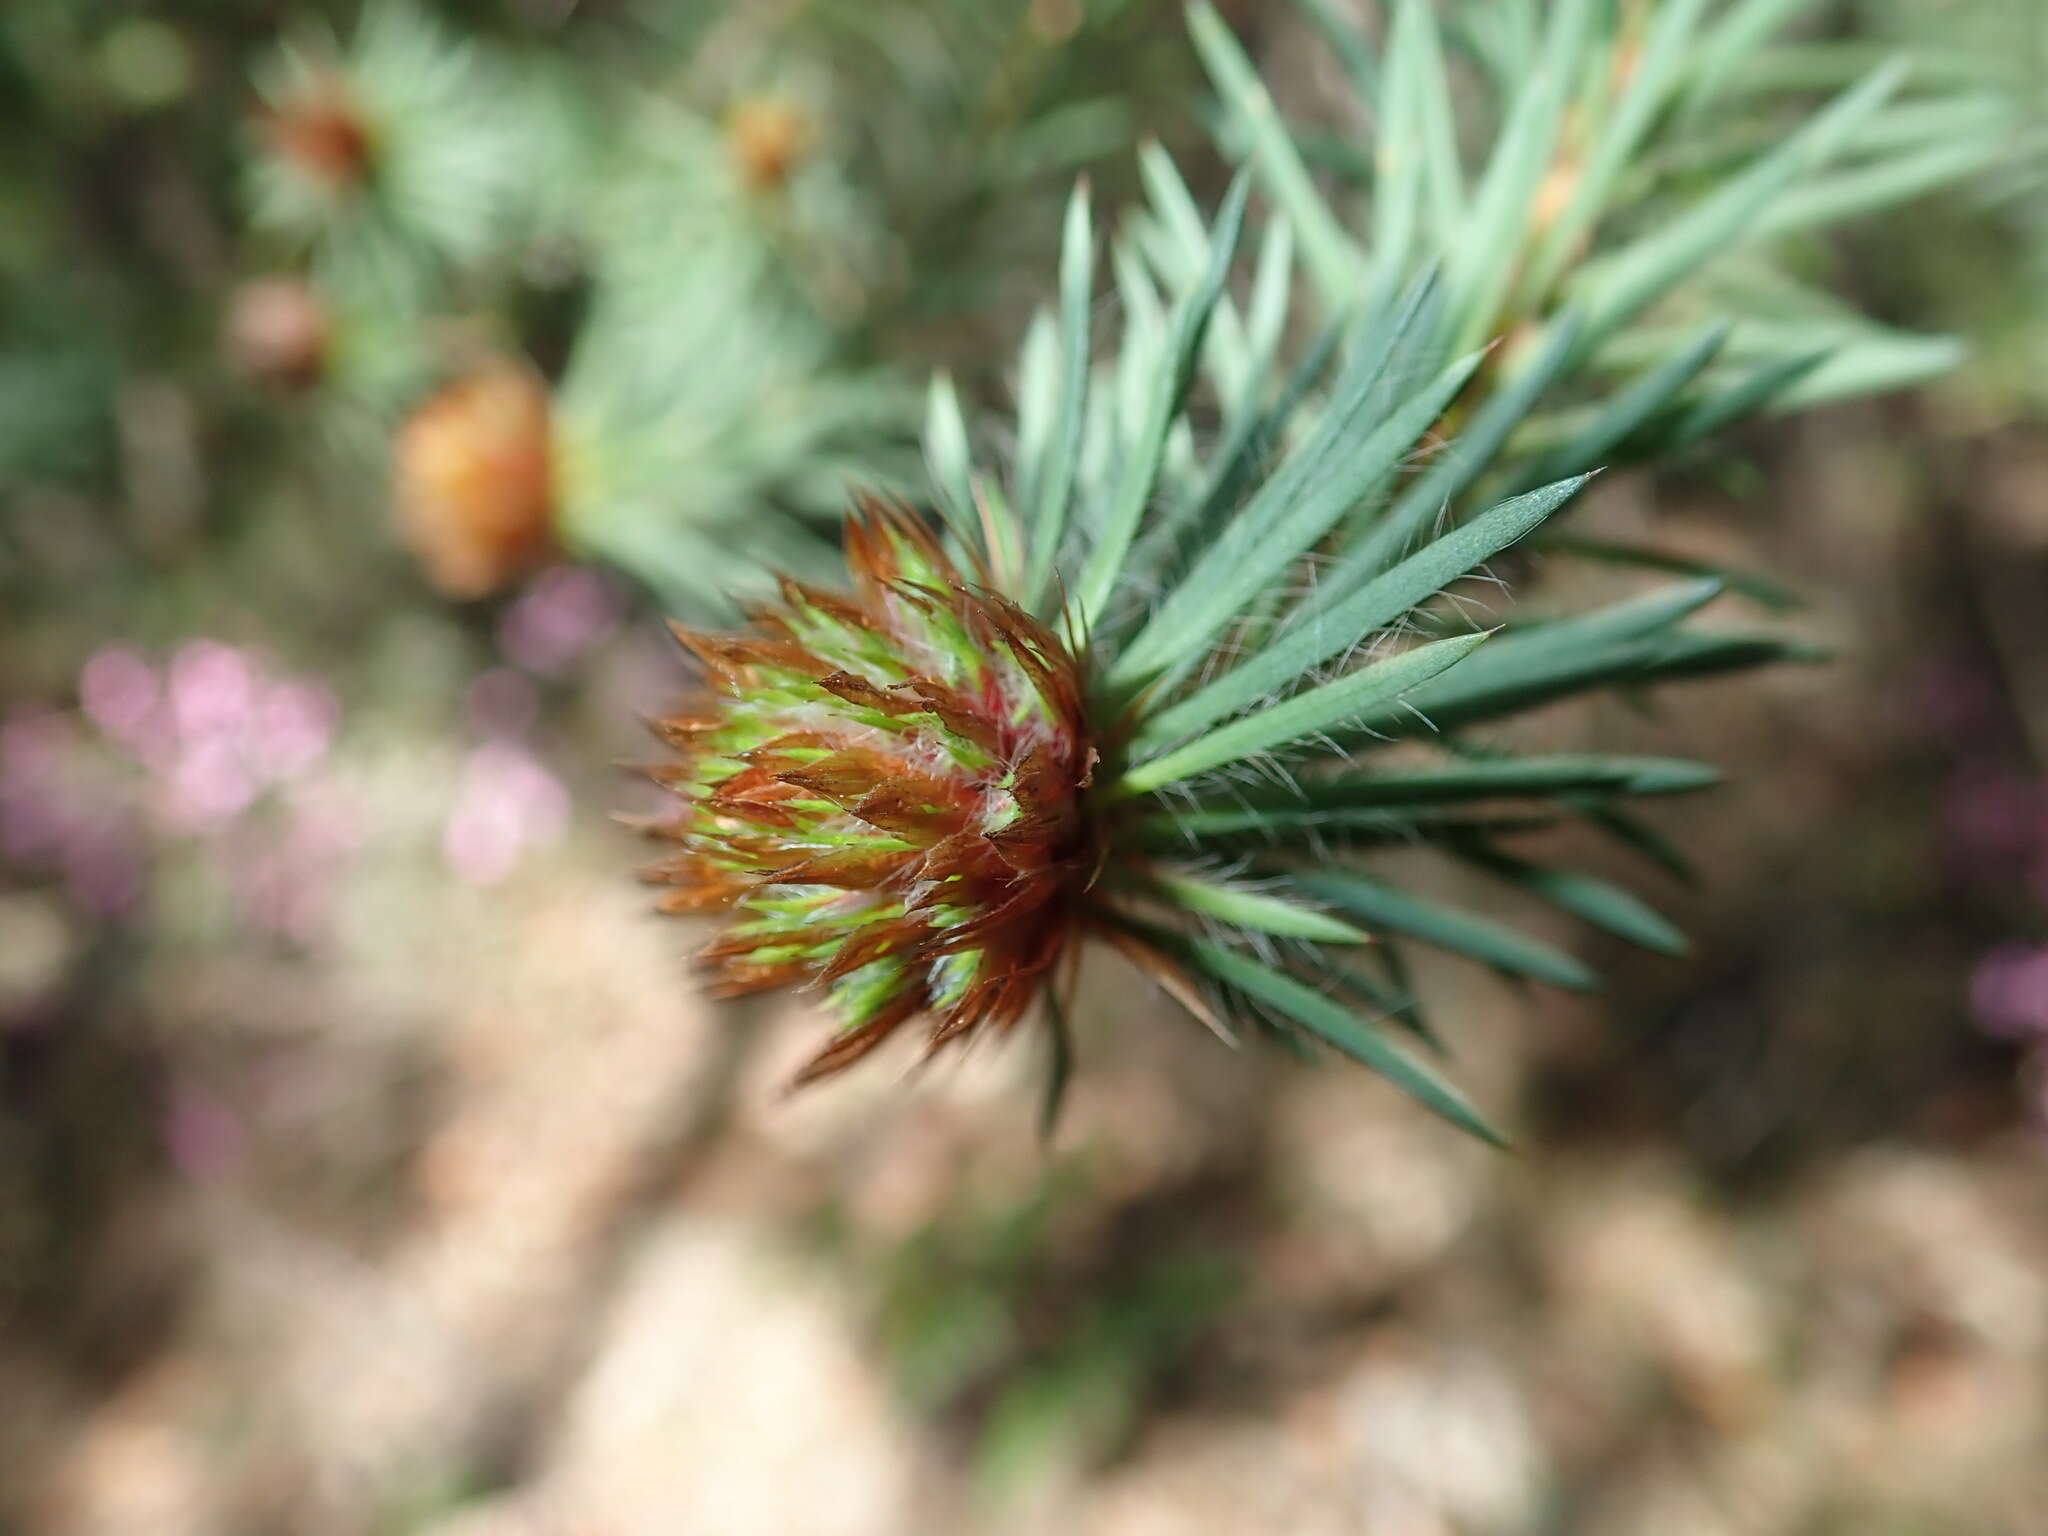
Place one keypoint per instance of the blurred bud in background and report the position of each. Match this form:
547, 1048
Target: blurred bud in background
385, 157
769, 137
314, 128
277, 332
474, 470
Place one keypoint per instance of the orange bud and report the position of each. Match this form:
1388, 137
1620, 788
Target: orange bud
322, 134
475, 484
768, 136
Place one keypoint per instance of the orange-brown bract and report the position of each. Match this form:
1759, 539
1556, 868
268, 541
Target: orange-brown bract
322, 133
890, 796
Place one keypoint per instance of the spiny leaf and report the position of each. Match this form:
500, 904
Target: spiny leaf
1492, 778
1165, 396
1333, 262
1270, 535
1624, 415
1641, 839
1254, 910
1479, 277
1053, 480
1657, 68
1307, 714
1059, 1067
1329, 631
946, 453
1590, 899
1384, 540
1759, 388
1383, 907
1826, 200
1750, 584
1330, 1021
1623, 284
1730, 44
1350, 45
1542, 674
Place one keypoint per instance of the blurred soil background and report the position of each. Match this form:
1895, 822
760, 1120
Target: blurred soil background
369, 1163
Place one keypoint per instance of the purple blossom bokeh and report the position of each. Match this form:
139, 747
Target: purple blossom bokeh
59, 817
558, 620
2009, 993
1992, 819
185, 752
506, 802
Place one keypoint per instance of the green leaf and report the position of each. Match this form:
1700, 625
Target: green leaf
1641, 839
1212, 827
1165, 396
1484, 779
1326, 632
1038, 385
1054, 479
1382, 542
1397, 172
1181, 535
1759, 388
1400, 804
1623, 416
1548, 661
1382, 907
1265, 317
1332, 261
1281, 524
1255, 910
1319, 709
1353, 51
1592, 900
1394, 995
1541, 677
1872, 364
1362, 1041
1059, 1068
1175, 205
946, 453
1658, 66
1844, 195
1181, 252
1624, 283
1729, 46
1188, 523
1483, 267
1750, 584
1419, 65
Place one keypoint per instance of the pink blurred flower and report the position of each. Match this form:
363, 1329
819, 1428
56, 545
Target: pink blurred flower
34, 813
209, 785
506, 802
104, 868
2009, 992
119, 692
58, 817
1954, 699
199, 745
212, 688
203, 1136
502, 703
292, 728
285, 878
562, 613
1996, 821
